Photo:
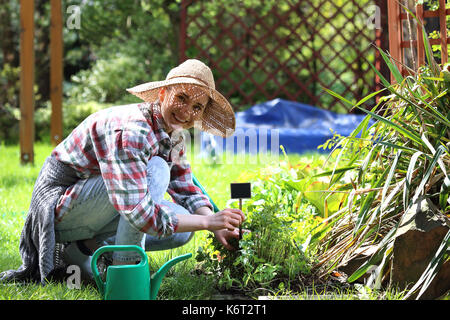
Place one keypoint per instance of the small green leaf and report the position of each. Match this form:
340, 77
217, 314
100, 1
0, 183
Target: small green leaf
443, 197
409, 134
331, 172
336, 95
392, 66
428, 172
382, 78
409, 174
390, 175
376, 257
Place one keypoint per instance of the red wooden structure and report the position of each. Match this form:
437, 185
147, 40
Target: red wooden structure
56, 71
244, 51
400, 39
26, 125
27, 76
290, 50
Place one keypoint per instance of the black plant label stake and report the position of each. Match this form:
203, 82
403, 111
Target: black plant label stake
240, 191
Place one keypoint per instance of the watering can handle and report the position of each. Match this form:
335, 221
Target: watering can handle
198, 184
101, 250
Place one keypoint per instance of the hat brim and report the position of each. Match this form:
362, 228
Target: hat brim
218, 118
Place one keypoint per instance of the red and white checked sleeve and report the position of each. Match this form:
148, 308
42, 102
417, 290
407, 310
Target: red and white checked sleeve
124, 171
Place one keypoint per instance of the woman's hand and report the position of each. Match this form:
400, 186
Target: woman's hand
225, 226
228, 219
224, 235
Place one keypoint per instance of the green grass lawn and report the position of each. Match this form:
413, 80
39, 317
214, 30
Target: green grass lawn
182, 282
16, 185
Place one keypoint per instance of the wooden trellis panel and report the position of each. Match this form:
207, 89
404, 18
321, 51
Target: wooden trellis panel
290, 50
402, 38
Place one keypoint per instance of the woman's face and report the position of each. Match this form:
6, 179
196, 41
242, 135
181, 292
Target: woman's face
182, 105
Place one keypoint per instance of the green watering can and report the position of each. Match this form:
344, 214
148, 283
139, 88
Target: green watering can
131, 282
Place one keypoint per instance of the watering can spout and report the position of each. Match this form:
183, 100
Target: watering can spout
156, 278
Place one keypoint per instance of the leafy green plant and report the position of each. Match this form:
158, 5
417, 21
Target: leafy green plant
396, 162
9, 103
74, 114
274, 254
107, 80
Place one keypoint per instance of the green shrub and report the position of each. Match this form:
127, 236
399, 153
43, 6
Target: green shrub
107, 81
73, 115
9, 103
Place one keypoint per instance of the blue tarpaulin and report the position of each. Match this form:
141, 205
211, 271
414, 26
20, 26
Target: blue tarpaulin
297, 126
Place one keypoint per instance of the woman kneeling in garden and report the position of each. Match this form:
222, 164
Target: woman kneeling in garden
105, 183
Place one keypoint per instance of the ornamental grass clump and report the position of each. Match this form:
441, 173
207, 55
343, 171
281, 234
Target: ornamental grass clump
401, 159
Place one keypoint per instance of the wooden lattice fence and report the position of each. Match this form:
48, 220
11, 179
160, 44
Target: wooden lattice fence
286, 49
406, 39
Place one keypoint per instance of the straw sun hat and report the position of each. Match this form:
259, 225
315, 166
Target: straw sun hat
218, 118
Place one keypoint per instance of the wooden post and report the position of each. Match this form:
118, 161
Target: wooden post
240, 224
420, 42
56, 71
382, 42
395, 34
26, 126
443, 28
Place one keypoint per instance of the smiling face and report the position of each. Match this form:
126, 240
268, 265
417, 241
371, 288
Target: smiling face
182, 105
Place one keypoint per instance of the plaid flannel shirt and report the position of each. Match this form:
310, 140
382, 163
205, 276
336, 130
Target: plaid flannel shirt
117, 143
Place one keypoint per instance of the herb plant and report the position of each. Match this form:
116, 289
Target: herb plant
273, 253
